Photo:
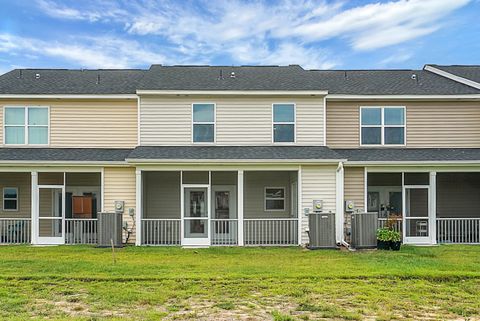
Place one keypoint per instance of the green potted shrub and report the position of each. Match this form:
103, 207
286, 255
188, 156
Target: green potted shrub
395, 240
383, 238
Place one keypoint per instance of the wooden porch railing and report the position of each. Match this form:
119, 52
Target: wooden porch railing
458, 230
224, 231
275, 231
15, 230
81, 230
161, 231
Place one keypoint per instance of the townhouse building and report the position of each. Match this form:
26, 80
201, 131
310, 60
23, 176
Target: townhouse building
217, 155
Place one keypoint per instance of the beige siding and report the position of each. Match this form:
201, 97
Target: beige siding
318, 183
87, 123
239, 121
429, 124
354, 184
22, 181
119, 185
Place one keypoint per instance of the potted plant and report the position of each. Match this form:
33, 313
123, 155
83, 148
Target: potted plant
395, 240
383, 238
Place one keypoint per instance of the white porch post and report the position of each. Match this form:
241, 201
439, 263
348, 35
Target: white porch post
34, 207
433, 207
138, 206
339, 211
240, 207
300, 213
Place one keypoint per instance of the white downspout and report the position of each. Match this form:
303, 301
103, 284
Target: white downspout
339, 216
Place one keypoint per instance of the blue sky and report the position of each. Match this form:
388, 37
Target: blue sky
313, 33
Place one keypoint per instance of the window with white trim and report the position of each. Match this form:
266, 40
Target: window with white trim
203, 126
283, 123
382, 126
25, 126
274, 198
10, 199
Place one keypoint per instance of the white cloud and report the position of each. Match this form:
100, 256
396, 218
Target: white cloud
92, 52
250, 32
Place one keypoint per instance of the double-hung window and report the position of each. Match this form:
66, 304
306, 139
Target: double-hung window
283, 123
382, 126
274, 198
10, 199
26, 126
203, 130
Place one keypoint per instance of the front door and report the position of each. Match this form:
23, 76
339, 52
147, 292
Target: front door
50, 227
196, 213
417, 217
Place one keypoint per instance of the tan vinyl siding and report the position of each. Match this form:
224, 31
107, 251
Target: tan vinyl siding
119, 185
429, 124
22, 181
318, 183
87, 123
239, 121
354, 185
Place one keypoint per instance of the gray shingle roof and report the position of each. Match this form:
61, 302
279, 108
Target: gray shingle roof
64, 154
233, 153
471, 72
281, 78
64, 81
219, 78
410, 154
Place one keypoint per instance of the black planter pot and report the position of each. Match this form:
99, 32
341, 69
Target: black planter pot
395, 246
383, 245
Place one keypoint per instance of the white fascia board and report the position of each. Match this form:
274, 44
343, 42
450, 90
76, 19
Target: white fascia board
61, 163
403, 97
411, 163
236, 92
112, 96
453, 77
233, 161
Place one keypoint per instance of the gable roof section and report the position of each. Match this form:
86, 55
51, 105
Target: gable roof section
231, 153
419, 155
70, 82
468, 75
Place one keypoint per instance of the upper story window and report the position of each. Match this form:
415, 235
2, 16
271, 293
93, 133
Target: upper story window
383, 126
283, 123
25, 126
203, 116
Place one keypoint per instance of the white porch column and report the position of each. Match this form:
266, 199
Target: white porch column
433, 207
300, 213
138, 207
240, 207
34, 207
339, 211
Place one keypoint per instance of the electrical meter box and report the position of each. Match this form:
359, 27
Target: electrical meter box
349, 206
317, 206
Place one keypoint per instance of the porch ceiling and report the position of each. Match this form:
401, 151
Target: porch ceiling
232, 153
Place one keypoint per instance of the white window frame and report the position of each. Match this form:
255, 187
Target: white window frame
26, 126
294, 123
382, 126
10, 199
214, 123
284, 199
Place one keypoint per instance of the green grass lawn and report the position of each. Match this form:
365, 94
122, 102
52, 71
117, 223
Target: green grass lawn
70, 282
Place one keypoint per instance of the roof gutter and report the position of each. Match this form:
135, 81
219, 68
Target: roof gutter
412, 163
339, 97
453, 77
235, 92
68, 96
233, 161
